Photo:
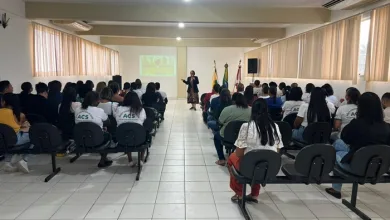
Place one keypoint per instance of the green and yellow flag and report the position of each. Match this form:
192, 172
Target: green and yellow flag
215, 76
225, 81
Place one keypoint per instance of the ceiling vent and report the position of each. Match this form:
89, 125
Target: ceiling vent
72, 25
348, 4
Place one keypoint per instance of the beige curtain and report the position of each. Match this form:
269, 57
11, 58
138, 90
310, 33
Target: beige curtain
264, 61
311, 54
378, 50
284, 58
56, 53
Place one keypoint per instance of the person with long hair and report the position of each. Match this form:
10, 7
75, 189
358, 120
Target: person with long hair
10, 114
330, 97
100, 86
131, 111
259, 133
192, 90
54, 98
114, 86
151, 98
285, 93
106, 102
293, 103
265, 92
89, 112
240, 111
367, 129
346, 113
274, 101
308, 89
317, 110
68, 106
25, 94
248, 93
5, 87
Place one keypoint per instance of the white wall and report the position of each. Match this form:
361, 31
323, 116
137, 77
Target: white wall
201, 59
130, 68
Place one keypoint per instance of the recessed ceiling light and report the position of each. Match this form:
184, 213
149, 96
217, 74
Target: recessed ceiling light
181, 25
178, 38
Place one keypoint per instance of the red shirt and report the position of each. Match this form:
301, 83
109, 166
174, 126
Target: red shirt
207, 100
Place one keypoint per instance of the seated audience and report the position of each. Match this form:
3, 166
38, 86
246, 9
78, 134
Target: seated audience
306, 95
265, 92
281, 87
134, 88
115, 92
207, 98
5, 87
274, 101
217, 105
153, 99
105, 103
38, 104
139, 86
90, 85
164, 98
25, 94
126, 89
293, 103
248, 94
54, 99
100, 86
259, 133
367, 129
240, 88
257, 89
386, 105
89, 112
285, 93
346, 113
67, 108
82, 92
293, 85
130, 111
11, 115
330, 95
237, 112
317, 110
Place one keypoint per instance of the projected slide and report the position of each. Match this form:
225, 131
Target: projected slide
157, 65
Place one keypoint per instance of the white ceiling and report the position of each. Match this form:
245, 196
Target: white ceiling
266, 3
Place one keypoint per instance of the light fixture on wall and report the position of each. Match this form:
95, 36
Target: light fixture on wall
178, 38
181, 25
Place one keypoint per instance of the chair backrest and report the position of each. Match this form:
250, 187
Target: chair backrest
231, 131
317, 133
88, 134
290, 119
34, 118
66, 124
113, 124
285, 131
45, 137
260, 166
7, 138
150, 113
131, 134
275, 113
371, 161
315, 162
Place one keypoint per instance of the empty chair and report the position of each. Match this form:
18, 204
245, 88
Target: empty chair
230, 135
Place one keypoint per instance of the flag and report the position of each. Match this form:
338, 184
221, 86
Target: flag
215, 76
225, 81
238, 77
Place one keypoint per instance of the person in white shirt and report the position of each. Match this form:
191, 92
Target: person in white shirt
281, 87
346, 113
293, 103
330, 95
106, 104
88, 112
249, 139
135, 89
139, 86
130, 111
306, 95
317, 110
386, 105
257, 88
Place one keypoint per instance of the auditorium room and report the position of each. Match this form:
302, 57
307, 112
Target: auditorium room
194, 109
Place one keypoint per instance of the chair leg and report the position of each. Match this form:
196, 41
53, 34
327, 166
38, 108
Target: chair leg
55, 169
289, 155
139, 166
352, 205
73, 159
147, 155
242, 204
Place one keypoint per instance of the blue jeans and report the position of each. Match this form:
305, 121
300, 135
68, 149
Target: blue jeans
219, 146
22, 138
298, 134
341, 150
213, 125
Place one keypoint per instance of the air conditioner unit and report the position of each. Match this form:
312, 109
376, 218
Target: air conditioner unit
72, 25
347, 4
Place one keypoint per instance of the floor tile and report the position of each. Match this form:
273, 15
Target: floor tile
170, 197
169, 211
82, 198
295, 211
264, 211
142, 197
171, 187
199, 197
197, 187
137, 211
39, 212
11, 212
172, 177
118, 187
72, 212
197, 177
52, 198
104, 211
22, 199
201, 211
326, 211
145, 186
228, 211
112, 198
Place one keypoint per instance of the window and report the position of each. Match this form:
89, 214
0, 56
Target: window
61, 54
364, 35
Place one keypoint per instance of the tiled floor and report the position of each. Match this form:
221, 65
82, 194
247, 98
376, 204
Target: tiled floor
180, 181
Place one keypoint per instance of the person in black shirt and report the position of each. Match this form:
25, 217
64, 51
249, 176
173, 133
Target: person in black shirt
25, 94
151, 98
5, 87
38, 104
54, 99
367, 129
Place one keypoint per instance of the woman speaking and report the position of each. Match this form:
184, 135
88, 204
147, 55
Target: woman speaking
192, 90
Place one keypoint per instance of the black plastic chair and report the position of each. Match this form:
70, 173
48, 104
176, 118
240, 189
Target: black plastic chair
368, 164
8, 138
290, 118
132, 137
230, 135
111, 128
89, 138
151, 114
315, 133
275, 113
256, 167
34, 118
286, 132
312, 164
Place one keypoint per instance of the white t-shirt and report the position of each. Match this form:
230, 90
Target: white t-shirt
345, 114
303, 112
279, 93
108, 107
333, 99
139, 93
264, 97
249, 138
123, 115
163, 94
386, 112
306, 97
257, 91
291, 107
91, 114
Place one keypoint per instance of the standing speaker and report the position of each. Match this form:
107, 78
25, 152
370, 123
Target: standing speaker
117, 79
252, 65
